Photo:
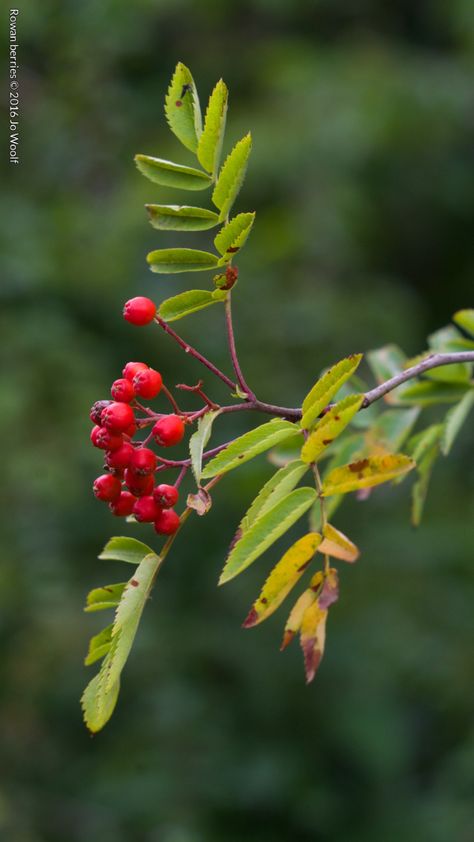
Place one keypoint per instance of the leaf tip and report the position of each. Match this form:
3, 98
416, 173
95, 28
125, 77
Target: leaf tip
251, 619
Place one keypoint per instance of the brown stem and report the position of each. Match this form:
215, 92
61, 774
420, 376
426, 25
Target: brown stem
233, 351
194, 353
433, 361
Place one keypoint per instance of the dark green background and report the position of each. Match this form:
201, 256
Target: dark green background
363, 180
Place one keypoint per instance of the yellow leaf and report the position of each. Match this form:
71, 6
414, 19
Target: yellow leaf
282, 578
303, 602
338, 545
365, 473
312, 638
330, 427
326, 387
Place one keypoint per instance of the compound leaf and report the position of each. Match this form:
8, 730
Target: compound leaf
182, 108
231, 176
330, 427
326, 387
198, 441
366, 473
210, 143
189, 302
266, 530
181, 218
233, 235
169, 174
249, 445
172, 261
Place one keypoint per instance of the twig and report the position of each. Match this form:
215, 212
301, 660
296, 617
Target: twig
194, 353
233, 351
433, 361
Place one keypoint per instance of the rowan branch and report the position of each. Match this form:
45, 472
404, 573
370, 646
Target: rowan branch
433, 361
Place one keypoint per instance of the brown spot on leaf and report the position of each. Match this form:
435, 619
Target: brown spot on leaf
264, 600
178, 103
337, 417
355, 467
327, 441
236, 538
134, 583
232, 249
288, 636
250, 619
302, 567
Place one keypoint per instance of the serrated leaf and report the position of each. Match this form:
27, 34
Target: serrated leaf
266, 530
233, 235
304, 601
210, 143
100, 696
366, 473
347, 448
249, 445
172, 261
277, 487
99, 645
231, 176
198, 441
330, 427
338, 545
189, 302
420, 488
426, 393
181, 218
123, 548
99, 599
390, 430
454, 420
326, 387
169, 174
465, 319
283, 578
182, 108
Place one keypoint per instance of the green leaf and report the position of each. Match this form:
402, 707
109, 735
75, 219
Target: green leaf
326, 387
181, 218
426, 393
330, 427
210, 142
277, 487
465, 319
366, 473
420, 488
99, 645
189, 302
283, 578
266, 530
169, 174
108, 596
172, 261
454, 420
232, 236
419, 444
385, 363
182, 108
390, 429
249, 445
198, 441
100, 696
124, 548
231, 176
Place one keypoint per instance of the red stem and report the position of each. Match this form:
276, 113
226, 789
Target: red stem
194, 353
233, 350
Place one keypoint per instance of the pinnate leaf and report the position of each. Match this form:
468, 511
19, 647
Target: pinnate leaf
172, 261
181, 218
189, 302
198, 441
326, 387
233, 235
330, 427
283, 578
249, 445
169, 174
266, 530
231, 176
365, 473
182, 108
210, 143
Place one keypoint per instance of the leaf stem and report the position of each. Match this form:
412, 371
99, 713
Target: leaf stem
194, 353
322, 506
233, 351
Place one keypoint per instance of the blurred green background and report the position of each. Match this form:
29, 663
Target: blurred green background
362, 176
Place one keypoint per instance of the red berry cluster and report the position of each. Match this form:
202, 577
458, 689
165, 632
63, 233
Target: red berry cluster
128, 485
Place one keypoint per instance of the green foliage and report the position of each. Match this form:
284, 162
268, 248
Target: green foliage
182, 108
198, 441
172, 261
454, 420
248, 446
233, 235
210, 142
330, 427
465, 320
231, 176
277, 487
189, 302
326, 387
181, 218
169, 174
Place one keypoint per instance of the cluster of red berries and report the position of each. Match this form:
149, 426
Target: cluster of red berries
128, 484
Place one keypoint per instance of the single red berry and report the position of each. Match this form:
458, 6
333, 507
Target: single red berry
131, 369
139, 311
120, 458
147, 383
116, 417
168, 430
124, 505
122, 390
107, 488
130, 431
146, 510
143, 461
104, 439
167, 522
140, 486
166, 495
97, 410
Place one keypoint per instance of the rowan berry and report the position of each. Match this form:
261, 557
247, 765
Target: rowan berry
130, 431
147, 383
139, 311
140, 486
107, 487
123, 506
97, 409
131, 369
146, 510
167, 522
166, 495
168, 430
104, 439
122, 390
117, 416
143, 461
120, 458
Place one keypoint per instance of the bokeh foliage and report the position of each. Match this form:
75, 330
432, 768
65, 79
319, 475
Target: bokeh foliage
361, 116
